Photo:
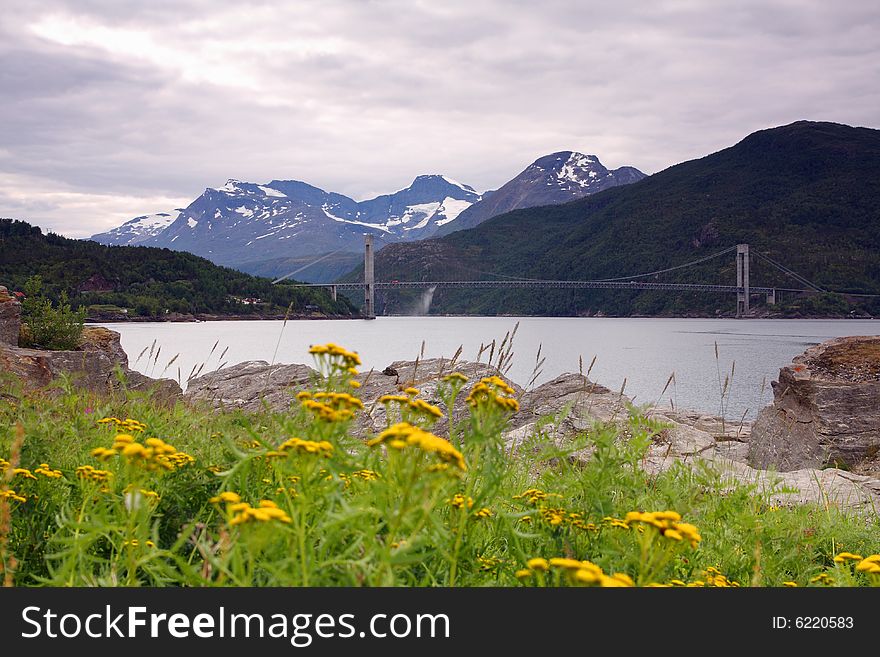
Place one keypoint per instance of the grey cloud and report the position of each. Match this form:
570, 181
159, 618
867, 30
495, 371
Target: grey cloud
359, 97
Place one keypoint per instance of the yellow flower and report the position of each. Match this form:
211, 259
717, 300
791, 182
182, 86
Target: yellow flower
412, 392
459, 501
523, 573
870, 565
403, 434
564, 562
12, 495
455, 376
24, 472
491, 390
305, 394
48, 472
484, 512
322, 448
340, 357
586, 575
790, 584
226, 496
354, 384
538, 563
366, 475
847, 556
617, 580
384, 399
91, 474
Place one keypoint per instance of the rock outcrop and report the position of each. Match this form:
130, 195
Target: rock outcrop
253, 385
94, 367
825, 411
10, 318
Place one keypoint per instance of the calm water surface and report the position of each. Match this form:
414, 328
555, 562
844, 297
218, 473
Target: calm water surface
644, 352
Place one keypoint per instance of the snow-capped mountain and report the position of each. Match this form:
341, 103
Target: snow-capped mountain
244, 222
276, 227
138, 229
549, 180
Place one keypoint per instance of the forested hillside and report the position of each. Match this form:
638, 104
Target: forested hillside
147, 282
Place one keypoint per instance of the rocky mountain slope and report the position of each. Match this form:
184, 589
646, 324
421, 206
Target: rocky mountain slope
549, 180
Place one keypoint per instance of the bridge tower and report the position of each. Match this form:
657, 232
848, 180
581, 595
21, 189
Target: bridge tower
742, 280
369, 279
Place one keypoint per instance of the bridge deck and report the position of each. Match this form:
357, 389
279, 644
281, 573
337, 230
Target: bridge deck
538, 284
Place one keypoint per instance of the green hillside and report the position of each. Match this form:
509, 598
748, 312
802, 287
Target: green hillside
145, 281
806, 194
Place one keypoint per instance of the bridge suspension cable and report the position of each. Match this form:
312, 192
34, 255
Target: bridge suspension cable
785, 270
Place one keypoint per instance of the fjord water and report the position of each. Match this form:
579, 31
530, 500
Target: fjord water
644, 352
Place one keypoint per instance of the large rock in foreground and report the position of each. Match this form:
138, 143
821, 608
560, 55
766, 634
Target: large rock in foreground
825, 411
93, 367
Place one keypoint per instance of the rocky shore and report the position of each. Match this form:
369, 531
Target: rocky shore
817, 443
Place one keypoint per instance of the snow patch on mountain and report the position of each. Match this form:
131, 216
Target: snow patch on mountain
268, 191
450, 209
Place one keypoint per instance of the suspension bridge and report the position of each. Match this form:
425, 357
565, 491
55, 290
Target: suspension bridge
743, 289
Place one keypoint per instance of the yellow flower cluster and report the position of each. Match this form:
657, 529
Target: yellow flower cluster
403, 434
322, 448
89, 473
535, 495
667, 523
153, 454
46, 471
559, 517
266, 511
128, 424
136, 543
716, 578
493, 390
4, 465
339, 400
483, 512
869, 565
459, 501
24, 473
419, 406
822, 578
10, 494
241, 512
366, 475
488, 564
455, 377
327, 412
576, 571
343, 356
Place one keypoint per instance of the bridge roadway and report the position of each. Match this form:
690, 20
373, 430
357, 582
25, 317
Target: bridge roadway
539, 284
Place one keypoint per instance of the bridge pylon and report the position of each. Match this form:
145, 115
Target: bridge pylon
369, 279
742, 280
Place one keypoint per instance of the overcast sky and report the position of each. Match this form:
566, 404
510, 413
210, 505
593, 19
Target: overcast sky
110, 108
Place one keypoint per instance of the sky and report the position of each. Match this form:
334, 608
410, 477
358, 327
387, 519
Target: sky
110, 109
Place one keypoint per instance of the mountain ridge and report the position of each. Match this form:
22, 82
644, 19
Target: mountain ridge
263, 227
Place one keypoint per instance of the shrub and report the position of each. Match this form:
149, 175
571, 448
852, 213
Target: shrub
47, 326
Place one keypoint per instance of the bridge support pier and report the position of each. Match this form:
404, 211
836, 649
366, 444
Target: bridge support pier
771, 298
742, 280
333, 292
369, 279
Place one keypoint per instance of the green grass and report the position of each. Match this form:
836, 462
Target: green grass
338, 525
